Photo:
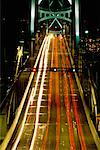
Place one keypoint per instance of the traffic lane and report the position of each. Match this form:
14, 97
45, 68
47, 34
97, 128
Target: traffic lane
57, 126
64, 126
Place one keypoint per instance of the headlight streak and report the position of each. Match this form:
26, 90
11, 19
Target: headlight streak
40, 97
37, 60
40, 70
23, 122
13, 126
49, 102
30, 99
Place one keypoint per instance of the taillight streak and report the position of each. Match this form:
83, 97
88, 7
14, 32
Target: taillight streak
67, 103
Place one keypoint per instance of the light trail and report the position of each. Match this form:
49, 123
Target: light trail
67, 103
37, 60
74, 102
41, 135
40, 69
80, 132
23, 122
40, 97
13, 126
57, 99
49, 101
32, 95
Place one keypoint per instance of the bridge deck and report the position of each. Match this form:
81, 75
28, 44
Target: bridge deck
55, 117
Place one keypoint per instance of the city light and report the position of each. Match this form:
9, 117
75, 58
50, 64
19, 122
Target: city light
55, 69
86, 31
73, 70
34, 70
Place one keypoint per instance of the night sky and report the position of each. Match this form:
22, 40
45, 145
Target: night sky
90, 11
14, 10
55, 5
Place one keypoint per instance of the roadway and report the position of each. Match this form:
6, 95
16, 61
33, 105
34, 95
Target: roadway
54, 116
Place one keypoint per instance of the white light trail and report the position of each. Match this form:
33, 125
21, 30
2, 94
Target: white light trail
40, 97
37, 60
39, 72
30, 99
23, 122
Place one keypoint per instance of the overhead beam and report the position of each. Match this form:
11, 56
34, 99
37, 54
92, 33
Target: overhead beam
60, 3
50, 3
57, 22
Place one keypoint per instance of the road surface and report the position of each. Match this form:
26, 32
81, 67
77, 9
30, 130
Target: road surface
54, 117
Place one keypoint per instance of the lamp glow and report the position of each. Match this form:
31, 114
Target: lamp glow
32, 15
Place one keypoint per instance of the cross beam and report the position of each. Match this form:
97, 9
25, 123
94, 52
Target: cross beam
57, 22
46, 15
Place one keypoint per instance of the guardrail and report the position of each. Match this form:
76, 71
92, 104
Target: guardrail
9, 134
93, 102
90, 122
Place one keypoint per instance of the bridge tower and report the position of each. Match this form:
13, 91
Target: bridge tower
50, 15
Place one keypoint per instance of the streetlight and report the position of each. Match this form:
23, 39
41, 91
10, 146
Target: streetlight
86, 31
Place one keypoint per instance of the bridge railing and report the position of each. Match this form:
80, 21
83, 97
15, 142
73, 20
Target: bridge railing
93, 102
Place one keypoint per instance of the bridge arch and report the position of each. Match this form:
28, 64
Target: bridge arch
39, 1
